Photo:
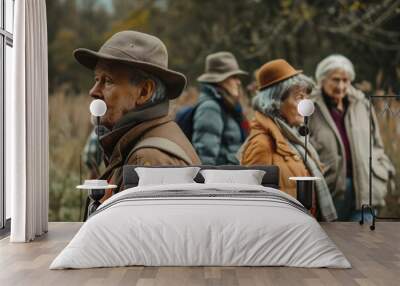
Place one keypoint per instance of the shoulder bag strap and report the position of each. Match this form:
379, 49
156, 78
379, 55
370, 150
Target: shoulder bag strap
162, 144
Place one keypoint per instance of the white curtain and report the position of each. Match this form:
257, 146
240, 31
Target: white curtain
27, 172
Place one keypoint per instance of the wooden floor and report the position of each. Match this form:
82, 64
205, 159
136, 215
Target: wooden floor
374, 255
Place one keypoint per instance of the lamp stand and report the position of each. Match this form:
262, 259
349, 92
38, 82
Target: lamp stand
304, 130
305, 188
305, 139
369, 207
98, 139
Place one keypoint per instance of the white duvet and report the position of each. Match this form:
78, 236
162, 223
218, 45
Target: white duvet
206, 230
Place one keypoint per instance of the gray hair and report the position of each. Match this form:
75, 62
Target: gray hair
159, 94
332, 63
268, 101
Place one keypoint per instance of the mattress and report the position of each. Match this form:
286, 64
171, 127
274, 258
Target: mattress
201, 225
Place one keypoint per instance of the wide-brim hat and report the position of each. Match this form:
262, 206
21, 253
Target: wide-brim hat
273, 72
220, 66
139, 50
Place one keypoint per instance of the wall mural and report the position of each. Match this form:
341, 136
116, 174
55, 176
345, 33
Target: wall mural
202, 95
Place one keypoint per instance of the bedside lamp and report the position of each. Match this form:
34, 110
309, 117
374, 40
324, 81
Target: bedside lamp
305, 108
305, 185
96, 188
98, 108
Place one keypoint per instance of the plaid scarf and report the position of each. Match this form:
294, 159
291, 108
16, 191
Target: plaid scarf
324, 199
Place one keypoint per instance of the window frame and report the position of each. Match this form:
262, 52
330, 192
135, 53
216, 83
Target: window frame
6, 39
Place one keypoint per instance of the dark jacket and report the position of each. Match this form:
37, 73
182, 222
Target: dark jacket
217, 131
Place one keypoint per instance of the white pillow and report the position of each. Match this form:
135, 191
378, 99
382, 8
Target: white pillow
162, 176
248, 177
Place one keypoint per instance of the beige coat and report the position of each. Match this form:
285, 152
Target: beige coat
326, 139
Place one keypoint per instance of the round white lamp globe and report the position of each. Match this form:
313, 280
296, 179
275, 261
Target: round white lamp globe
306, 107
98, 107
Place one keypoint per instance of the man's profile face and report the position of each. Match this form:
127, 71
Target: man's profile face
233, 86
112, 83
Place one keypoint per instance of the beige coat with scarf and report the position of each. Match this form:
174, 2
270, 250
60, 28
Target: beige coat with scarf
326, 139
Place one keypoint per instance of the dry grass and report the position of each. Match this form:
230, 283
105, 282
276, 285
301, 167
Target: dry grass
69, 124
389, 122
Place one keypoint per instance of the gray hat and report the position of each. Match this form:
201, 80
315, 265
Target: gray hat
141, 51
220, 66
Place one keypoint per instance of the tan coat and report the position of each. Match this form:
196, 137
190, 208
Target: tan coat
120, 147
267, 146
326, 140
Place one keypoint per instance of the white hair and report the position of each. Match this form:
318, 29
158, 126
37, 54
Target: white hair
159, 94
268, 101
331, 63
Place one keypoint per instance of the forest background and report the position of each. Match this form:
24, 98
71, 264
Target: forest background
256, 31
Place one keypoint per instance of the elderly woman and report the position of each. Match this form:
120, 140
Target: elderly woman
340, 133
274, 138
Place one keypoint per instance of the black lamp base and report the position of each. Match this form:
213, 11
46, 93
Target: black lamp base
305, 191
95, 196
371, 209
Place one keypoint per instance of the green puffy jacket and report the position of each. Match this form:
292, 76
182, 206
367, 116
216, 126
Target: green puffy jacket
217, 134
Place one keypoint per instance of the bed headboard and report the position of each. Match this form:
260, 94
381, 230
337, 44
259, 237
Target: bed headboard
130, 178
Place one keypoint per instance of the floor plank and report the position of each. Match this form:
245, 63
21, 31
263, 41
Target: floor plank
374, 255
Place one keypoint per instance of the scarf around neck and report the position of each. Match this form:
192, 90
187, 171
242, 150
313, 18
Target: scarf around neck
296, 142
109, 138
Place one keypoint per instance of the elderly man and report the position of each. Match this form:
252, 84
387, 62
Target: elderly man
219, 126
131, 75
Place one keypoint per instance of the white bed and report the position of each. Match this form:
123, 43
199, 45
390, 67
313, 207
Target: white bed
222, 225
